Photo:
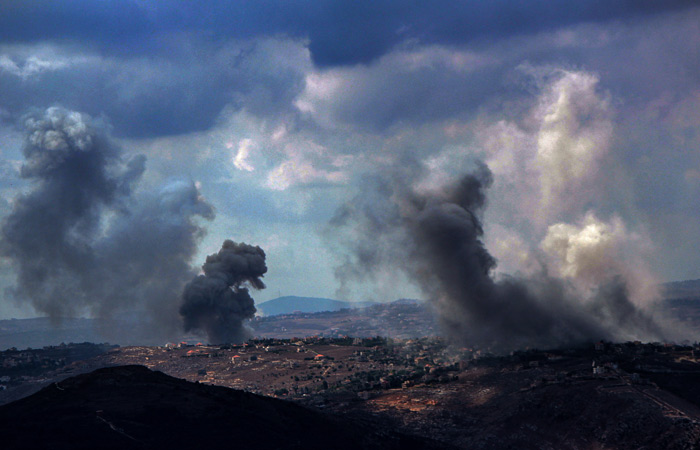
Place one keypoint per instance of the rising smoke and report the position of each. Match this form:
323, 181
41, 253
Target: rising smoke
581, 278
83, 242
218, 302
434, 235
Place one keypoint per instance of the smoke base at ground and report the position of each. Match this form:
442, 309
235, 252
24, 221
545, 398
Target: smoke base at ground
218, 302
435, 237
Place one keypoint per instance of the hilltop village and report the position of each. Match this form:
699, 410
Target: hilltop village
469, 397
399, 319
327, 369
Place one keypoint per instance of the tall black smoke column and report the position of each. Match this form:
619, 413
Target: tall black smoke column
218, 302
435, 237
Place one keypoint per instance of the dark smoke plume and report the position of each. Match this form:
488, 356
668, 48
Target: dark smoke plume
218, 302
435, 238
82, 242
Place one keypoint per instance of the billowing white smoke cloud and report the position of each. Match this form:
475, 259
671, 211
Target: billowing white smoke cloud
594, 252
573, 138
553, 160
580, 278
556, 165
588, 252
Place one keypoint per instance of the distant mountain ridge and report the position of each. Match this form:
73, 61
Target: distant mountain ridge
290, 303
681, 289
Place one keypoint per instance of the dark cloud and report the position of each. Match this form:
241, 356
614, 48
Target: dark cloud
219, 302
165, 68
364, 31
339, 32
172, 92
635, 60
435, 238
81, 241
392, 94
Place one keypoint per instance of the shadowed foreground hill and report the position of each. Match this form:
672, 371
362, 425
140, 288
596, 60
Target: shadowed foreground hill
134, 407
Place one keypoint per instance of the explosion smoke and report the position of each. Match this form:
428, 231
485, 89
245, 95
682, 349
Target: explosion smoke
435, 237
218, 301
82, 242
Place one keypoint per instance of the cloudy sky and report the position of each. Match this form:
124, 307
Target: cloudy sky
274, 115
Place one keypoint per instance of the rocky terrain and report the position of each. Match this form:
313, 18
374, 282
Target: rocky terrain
608, 396
603, 396
133, 407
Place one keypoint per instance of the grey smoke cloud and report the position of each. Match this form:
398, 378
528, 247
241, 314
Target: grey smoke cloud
435, 236
82, 241
218, 302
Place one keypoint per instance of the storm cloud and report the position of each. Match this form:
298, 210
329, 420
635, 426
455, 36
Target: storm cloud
586, 114
166, 68
173, 92
339, 32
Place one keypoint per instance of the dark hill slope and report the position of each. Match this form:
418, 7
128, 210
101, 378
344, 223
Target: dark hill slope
134, 407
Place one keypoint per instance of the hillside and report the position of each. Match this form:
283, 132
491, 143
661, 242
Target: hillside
42, 331
401, 319
133, 407
624, 396
681, 289
290, 304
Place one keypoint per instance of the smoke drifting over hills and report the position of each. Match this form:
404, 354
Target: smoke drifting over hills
218, 301
82, 241
435, 237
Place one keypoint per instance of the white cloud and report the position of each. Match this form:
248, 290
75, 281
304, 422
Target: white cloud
240, 160
306, 162
31, 66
